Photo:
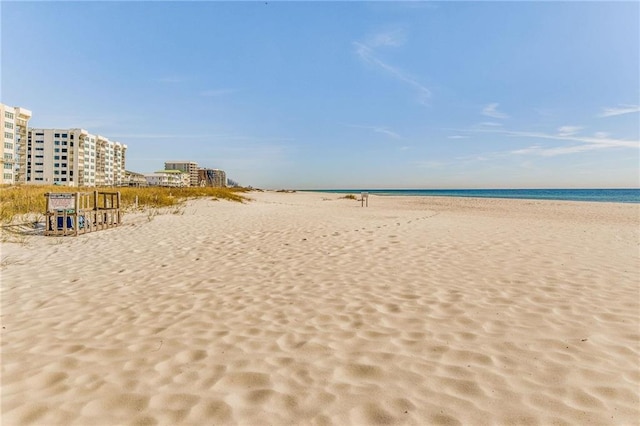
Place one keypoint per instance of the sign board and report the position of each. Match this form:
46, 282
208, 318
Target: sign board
61, 202
364, 196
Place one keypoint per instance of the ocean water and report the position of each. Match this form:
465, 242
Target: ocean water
598, 195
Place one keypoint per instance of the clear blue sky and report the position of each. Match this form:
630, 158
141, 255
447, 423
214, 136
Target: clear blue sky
342, 94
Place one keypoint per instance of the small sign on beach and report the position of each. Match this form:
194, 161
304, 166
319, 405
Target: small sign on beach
60, 202
364, 197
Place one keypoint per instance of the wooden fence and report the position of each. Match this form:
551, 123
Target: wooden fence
76, 213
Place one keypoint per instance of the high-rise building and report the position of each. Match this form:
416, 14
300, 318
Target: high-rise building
212, 177
74, 157
185, 166
14, 122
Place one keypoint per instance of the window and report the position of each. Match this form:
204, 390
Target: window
8, 145
8, 125
8, 176
64, 149
56, 157
39, 134
39, 148
64, 135
56, 142
55, 164
56, 172
64, 143
55, 149
64, 164
64, 157
8, 115
7, 165
8, 135
64, 179
57, 135
39, 164
8, 156
39, 156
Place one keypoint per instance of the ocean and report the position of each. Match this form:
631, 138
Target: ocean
597, 195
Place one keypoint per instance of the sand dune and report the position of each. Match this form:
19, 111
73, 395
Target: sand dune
304, 308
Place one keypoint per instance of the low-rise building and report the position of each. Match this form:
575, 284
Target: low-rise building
190, 167
171, 178
134, 179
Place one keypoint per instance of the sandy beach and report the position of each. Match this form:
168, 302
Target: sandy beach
308, 309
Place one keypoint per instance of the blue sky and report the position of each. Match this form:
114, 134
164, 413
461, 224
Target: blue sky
315, 95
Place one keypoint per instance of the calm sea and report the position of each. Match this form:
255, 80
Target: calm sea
600, 195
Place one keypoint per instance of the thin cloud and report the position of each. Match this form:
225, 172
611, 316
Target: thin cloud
568, 130
390, 38
457, 137
367, 53
379, 129
600, 141
619, 110
491, 110
490, 124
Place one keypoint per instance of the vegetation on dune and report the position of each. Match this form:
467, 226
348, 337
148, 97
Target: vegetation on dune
350, 197
22, 200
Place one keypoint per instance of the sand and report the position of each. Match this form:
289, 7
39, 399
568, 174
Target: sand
305, 308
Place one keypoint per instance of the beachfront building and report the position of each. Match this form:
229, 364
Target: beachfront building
185, 166
212, 177
170, 178
73, 157
14, 122
134, 179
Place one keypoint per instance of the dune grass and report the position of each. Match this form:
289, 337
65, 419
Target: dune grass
23, 200
350, 197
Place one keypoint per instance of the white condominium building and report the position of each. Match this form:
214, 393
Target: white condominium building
185, 166
14, 122
73, 157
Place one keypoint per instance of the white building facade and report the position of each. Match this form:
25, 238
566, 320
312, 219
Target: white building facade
185, 166
74, 157
14, 122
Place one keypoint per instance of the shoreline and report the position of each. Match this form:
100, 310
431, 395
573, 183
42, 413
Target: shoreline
307, 308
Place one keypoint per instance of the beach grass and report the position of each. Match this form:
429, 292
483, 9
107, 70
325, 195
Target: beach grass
22, 200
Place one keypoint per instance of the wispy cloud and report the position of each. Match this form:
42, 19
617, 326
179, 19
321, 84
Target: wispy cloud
568, 130
586, 143
378, 129
393, 38
619, 110
599, 140
216, 92
491, 110
457, 137
367, 53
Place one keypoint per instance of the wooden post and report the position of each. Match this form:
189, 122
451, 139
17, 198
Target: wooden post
118, 207
76, 215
